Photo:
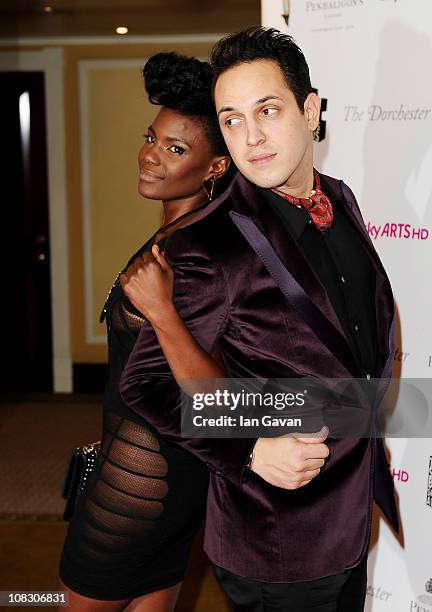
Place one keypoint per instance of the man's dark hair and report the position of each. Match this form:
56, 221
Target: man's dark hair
258, 43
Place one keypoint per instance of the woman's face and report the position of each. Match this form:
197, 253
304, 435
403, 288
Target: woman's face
176, 158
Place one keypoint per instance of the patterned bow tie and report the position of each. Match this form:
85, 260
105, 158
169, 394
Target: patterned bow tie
317, 204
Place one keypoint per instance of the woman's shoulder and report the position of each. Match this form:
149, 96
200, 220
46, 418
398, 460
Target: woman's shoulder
204, 230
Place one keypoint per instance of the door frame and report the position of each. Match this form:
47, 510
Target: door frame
50, 62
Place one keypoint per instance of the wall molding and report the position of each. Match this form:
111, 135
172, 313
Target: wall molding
83, 66
50, 62
109, 40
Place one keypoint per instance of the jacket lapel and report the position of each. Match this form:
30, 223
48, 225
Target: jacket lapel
249, 202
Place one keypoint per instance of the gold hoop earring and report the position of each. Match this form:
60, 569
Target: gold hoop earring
210, 195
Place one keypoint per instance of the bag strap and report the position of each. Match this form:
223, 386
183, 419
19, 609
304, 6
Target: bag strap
294, 293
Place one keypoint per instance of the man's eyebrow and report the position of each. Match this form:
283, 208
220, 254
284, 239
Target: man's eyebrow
226, 109
266, 99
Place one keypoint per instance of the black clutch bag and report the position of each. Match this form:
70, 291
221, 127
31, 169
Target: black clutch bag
81, 464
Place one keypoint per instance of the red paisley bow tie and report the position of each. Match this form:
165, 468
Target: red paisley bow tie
317, 204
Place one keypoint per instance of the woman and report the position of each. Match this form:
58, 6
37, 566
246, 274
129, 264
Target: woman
128, 541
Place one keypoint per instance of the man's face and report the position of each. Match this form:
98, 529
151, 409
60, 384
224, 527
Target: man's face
268, 137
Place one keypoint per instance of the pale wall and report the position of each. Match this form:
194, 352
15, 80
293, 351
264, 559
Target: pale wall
105, 115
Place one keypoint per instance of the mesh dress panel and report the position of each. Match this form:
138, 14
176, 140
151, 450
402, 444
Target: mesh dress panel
127, 497
133, 526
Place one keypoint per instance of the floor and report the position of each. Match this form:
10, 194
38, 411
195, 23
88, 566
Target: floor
37, 437
29, 557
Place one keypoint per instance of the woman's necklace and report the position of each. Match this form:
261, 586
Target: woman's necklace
162, 230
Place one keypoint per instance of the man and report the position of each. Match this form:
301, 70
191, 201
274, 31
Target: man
302, 544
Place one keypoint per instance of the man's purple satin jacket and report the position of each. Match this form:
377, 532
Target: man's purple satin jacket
227, 297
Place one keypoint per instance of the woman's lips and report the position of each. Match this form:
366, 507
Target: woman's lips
149, 177
261, 160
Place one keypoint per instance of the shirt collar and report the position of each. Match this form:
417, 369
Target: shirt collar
293, 217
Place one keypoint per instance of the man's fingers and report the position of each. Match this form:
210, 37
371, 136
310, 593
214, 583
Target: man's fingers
313, 464
309, 474
304, 482
307, 477
315, 451
316, 437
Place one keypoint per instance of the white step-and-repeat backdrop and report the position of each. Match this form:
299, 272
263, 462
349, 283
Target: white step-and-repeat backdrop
371, 62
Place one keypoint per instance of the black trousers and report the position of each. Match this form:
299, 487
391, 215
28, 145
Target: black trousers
339, 593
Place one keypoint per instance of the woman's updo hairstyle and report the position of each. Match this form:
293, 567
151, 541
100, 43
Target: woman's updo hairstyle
184, 84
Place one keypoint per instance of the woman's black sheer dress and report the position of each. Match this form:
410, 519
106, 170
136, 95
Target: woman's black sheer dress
133, 526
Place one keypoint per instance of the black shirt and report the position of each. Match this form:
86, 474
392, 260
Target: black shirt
344, 268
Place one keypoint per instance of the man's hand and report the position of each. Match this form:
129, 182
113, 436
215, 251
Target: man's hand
148, 283
290, 461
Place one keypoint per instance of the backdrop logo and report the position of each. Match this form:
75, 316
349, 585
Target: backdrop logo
376, 592
429, 486
376, 113
425, 599
401, 231
400, 475
320, 132
328, 5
